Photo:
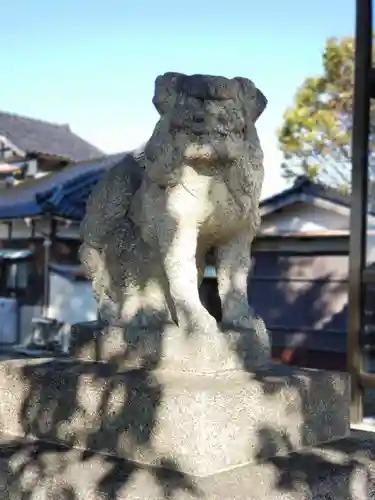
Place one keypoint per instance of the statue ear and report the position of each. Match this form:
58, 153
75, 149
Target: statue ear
261, 102
166, 91
254, 100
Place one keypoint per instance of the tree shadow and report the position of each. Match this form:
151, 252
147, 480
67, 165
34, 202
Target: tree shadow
116, 424
312, 474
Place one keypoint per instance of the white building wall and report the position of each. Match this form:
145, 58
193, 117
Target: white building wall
301, 217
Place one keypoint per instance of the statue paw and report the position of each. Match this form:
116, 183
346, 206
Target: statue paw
200, 323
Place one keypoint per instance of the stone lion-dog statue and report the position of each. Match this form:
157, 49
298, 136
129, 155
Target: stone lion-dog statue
151, 220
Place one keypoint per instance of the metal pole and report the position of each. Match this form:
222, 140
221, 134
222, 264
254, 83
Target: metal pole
358, 218
47, 242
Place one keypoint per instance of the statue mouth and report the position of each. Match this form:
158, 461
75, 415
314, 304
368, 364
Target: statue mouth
209, 152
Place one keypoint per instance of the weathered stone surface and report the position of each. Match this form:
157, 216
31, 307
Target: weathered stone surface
150, 222
169, 347
85, 340
205, 423
341, 470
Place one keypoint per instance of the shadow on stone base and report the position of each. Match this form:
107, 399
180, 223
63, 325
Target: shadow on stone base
227, 348
205, 423
341, 470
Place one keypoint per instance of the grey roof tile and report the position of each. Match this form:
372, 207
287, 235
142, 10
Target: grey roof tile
37, 136
304, 185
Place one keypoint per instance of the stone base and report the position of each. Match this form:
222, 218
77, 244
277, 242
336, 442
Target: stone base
341, 470
202, 423
227, 348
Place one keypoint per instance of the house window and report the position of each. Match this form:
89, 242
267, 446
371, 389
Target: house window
18, 276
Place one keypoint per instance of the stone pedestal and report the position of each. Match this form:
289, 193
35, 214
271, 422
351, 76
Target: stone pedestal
204, 423
194, 407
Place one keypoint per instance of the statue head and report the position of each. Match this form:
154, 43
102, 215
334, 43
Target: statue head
207, 118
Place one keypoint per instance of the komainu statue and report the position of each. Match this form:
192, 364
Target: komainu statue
152, 219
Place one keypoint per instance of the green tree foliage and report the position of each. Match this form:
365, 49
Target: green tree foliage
315, 136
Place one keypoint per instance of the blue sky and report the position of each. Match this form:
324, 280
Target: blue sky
93, 64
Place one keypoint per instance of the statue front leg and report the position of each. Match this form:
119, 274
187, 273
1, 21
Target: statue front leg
252, 340
178, 252
233, 267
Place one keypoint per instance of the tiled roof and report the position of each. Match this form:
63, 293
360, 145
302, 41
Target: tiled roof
304, 186
37, 136
63, 193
